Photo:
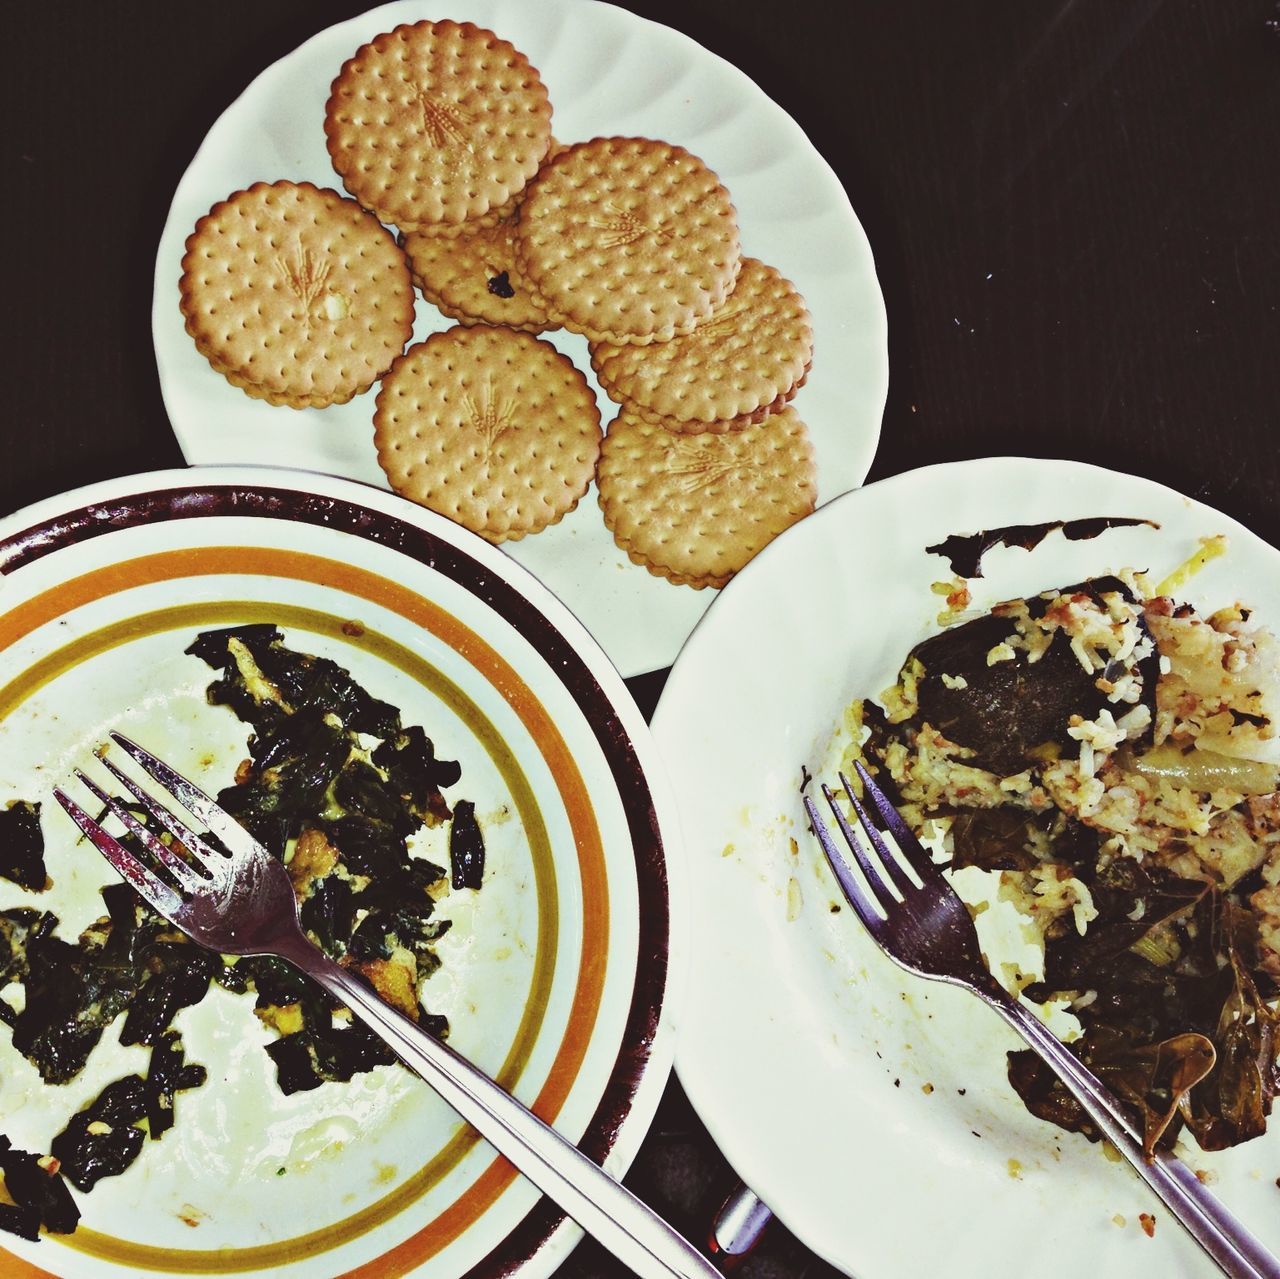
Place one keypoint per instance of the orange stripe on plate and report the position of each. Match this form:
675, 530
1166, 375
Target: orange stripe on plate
16, 1268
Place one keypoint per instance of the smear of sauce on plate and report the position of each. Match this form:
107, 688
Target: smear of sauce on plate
965, 550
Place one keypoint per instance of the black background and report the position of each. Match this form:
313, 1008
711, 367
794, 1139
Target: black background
1074, 206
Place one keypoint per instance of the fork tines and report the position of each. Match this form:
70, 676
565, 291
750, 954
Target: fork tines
157, 870
883, 872
142, 878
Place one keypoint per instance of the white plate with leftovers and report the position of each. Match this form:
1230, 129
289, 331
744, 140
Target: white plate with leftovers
1085, 734
461, 788
608, 72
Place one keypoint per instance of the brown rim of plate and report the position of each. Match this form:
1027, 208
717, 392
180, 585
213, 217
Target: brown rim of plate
200, 501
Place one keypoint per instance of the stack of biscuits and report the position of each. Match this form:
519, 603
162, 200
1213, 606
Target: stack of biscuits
444, 130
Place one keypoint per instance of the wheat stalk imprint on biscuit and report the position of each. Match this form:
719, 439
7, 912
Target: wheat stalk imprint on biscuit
306, 279
490, 418
695, 469
724, 324
625, 226
444, 122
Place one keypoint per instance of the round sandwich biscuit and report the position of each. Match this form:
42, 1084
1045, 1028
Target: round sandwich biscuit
629, 239
437, 122
502, 213
492, 427
743, 363
476, 278
695, 508
295, 294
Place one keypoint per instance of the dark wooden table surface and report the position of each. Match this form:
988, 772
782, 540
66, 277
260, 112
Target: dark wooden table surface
1074, 205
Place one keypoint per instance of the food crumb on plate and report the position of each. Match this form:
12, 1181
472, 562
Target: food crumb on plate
1148, 1223
191, 1216
795, 900
956, 594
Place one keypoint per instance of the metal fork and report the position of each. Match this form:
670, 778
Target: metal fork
924, 927
241, 903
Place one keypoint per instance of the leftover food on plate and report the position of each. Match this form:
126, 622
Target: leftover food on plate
39, 1195
965, 551
335, 785
21, 846
1104, 757
443, 130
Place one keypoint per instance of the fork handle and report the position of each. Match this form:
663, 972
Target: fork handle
633, 1232
1224, 1238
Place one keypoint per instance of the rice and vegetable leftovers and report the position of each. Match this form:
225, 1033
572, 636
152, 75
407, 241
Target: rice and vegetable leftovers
1107, 756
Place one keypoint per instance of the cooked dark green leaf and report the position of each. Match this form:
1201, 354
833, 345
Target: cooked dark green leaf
1008, 709
362, 790
993, 838
36, 1190
466, 846
231, 690
179, 977
1045, 1095
23, 1222
211, 646
167, 1075
1005, 711
1233, 1103
302, 681
22, 846
416, 774
102, 1140
71, 999
433, 1023
1131, 899
320, 684
407, 887
329, 914
311, 1057
276, 982
368, 847
1153, 1080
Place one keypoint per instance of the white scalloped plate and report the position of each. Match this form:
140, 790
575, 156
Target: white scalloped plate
608, 72
554, 976
868, 1108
